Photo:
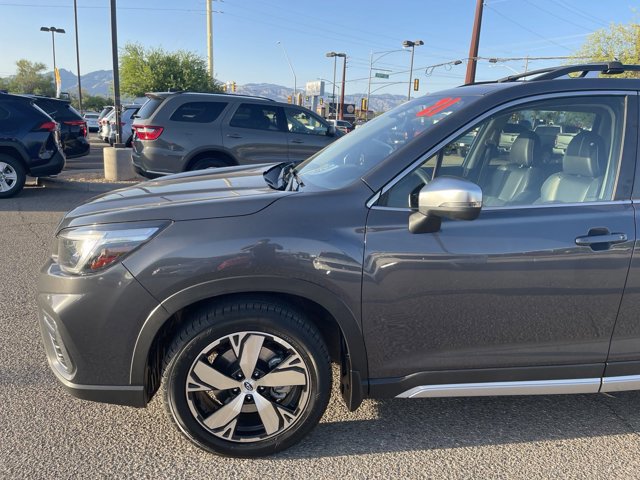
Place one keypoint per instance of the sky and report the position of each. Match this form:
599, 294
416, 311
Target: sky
246, 33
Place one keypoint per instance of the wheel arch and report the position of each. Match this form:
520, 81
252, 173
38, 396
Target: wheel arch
17, 152
208, 152
335, 320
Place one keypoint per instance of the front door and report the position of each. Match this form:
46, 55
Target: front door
536, 280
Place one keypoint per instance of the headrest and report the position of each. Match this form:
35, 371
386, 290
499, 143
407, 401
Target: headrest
583, 166
584, 155
525, 149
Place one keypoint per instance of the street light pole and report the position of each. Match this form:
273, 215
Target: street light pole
335, 58
412, 44
295, 81
53, 31
371, 62
75, 15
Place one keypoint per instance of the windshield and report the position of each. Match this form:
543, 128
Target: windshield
353, 155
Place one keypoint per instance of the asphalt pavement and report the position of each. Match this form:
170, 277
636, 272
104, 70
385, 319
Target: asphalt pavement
45, 433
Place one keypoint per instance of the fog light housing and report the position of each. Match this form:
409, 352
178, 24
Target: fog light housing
54, 345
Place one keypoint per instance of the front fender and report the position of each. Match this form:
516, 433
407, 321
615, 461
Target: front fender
347, 321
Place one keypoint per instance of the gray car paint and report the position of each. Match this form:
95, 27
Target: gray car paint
312, 244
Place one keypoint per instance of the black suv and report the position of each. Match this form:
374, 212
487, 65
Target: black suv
73, 128
421, 271
177, 132
29, 143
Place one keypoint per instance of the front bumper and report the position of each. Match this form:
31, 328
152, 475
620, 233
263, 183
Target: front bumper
89, 327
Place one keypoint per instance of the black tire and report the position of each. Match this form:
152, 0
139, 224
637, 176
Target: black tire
12, 176
215, 329
205, 163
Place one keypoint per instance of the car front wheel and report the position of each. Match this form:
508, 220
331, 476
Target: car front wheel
247, 379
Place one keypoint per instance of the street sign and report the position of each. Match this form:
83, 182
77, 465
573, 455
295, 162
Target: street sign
315, 88
382, 75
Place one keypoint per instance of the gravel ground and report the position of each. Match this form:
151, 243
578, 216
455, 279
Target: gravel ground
46, 434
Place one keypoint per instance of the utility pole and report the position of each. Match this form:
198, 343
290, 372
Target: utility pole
475, 41
344, 74
210, 37
75, 14
116, 74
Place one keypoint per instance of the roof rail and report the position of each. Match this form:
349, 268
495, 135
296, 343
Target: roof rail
171, 92
606, 68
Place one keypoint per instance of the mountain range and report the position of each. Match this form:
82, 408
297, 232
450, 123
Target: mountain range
100, 83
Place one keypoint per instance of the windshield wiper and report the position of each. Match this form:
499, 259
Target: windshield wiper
283, 176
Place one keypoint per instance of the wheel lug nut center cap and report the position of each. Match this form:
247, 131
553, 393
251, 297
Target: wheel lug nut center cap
248, 386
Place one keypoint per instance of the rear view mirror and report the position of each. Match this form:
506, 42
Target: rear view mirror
447, 197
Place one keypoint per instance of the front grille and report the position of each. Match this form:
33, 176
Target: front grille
57, 352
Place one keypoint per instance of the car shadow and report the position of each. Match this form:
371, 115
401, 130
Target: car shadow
45, 199
427, 424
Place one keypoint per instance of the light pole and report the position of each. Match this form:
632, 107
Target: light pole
344, 75
53, 31
295, 81
371, 62
333, 95
75, 16
413, 45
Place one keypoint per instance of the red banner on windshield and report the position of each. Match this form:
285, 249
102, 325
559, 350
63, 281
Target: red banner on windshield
437, 107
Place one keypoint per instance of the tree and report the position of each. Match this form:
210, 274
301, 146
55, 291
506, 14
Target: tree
619, 41
30, 78
91, 103
155, 70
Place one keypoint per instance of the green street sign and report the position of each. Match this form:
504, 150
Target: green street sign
382, 75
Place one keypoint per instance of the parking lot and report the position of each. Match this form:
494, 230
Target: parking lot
48, 434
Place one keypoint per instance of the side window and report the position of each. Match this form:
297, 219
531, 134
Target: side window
552, 151
299, 121
255, 116
198, 112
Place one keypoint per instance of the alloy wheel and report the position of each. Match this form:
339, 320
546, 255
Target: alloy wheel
8, 177
247, 386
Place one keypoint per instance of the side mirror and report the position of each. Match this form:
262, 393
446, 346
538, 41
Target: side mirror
447, 197
331, 131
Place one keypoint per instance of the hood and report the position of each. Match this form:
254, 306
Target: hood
222, 192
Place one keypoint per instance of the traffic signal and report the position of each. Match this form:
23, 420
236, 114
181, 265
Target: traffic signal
363, 105
416, 84
234, 88
289, 99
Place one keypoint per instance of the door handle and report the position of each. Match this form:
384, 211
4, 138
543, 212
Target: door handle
297, 141
601, 239
233, 135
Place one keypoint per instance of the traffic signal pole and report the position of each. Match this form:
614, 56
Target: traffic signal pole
475, 41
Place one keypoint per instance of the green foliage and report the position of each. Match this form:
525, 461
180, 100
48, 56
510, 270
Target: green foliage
30, 78
155, 70
619, 41
90, 103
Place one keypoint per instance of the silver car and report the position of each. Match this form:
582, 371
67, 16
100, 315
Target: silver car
177, 132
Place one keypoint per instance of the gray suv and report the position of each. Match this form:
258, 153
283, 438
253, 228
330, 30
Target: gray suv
420, 271
178, 132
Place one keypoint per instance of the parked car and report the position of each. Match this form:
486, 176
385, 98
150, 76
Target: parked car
178, 132
126, 121
29, 143
92, 121
73, 128
104, 112
234, 289
342, 125
105, 126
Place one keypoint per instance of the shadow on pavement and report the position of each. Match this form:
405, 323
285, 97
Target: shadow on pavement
45, 199
427, 424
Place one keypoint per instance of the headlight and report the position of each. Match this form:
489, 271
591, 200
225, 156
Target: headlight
86, 250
